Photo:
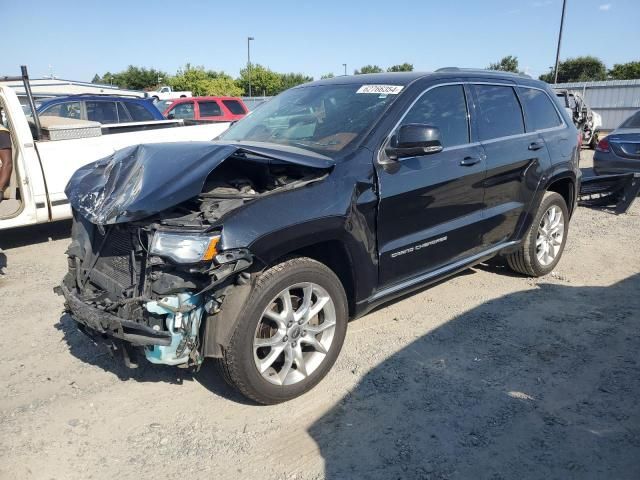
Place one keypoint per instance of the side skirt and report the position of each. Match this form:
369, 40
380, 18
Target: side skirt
402, 288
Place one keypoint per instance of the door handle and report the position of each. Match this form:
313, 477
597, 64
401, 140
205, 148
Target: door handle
468, 161
535, 146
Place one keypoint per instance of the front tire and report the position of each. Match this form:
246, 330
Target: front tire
289, 334
545, 240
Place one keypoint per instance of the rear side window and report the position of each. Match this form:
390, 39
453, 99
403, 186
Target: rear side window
210, 109
103, 112
123, 115
499, 112
445, 108
540, 111
139, 113
234, 107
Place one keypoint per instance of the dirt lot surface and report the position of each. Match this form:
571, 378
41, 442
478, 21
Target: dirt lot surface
487, 375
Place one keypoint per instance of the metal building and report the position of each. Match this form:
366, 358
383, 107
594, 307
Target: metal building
614, 100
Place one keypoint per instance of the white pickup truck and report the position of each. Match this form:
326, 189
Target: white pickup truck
166, 93
44, 165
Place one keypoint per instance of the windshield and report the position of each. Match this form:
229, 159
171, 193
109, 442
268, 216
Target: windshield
632, 122
162, 105
325, 119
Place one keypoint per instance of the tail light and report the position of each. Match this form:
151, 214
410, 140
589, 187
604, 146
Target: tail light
603, 145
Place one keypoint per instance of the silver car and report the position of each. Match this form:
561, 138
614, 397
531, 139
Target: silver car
619, 152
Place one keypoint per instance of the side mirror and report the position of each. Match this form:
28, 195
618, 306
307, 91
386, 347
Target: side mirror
414, 140
171, 116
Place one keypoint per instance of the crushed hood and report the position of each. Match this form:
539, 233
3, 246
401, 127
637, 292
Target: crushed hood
142, 180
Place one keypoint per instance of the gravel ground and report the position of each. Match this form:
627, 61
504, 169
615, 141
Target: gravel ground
487, 375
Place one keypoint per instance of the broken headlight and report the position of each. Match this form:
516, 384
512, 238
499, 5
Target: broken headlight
184, 248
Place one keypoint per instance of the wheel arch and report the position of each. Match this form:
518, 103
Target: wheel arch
564, 184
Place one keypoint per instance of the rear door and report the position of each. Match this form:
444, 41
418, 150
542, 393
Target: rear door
431, 206
514, 159
209, 110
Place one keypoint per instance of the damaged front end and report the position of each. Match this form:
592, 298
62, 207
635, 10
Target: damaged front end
147, 262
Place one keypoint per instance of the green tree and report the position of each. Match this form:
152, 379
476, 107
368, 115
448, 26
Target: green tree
204, 82
625, 71
506, 64
403, 67
290, 80
327, 75
135, 78
579, 69
368, 69
96, 79
264, 81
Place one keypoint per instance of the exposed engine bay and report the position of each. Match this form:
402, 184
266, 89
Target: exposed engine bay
158, 281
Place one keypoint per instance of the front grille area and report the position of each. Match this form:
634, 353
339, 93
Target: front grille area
115, 270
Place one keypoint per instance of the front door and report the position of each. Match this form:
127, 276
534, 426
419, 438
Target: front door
431, 206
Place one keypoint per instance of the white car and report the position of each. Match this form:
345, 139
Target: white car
166, 93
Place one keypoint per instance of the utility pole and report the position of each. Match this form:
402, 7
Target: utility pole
555, 76
345, 68
249, 61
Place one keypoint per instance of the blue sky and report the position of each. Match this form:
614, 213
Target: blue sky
80, 38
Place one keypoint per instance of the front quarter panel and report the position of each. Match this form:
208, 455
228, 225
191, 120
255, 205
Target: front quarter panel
340, 208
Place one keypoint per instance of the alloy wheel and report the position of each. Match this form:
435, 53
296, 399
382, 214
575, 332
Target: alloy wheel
294, 334
550, 235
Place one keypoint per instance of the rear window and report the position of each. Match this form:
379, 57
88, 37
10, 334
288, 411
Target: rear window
540, 111
139, 113
210, 109
234, 107
632, 122
499, 113
103, 112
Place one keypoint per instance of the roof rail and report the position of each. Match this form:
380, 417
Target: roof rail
479, 70
131, 95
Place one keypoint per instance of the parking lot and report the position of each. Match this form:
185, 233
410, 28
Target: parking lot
490, 372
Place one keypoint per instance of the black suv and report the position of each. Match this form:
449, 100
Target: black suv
334, 197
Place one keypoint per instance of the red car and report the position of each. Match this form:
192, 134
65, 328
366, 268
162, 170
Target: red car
224, 109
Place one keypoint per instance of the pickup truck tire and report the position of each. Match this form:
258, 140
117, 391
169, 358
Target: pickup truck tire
544, 242
289, 333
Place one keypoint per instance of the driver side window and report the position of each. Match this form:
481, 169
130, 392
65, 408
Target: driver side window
446, 108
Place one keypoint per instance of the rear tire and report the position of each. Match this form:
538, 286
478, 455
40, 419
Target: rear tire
289, 333
545, 240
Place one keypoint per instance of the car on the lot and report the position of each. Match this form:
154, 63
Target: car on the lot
221, 109
332, 198
619, 152
104, 109
167, 93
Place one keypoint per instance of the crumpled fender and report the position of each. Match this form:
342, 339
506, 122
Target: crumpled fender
139, 181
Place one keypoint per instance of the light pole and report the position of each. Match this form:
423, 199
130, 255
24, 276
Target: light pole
555, 77
345, 68
249, 61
